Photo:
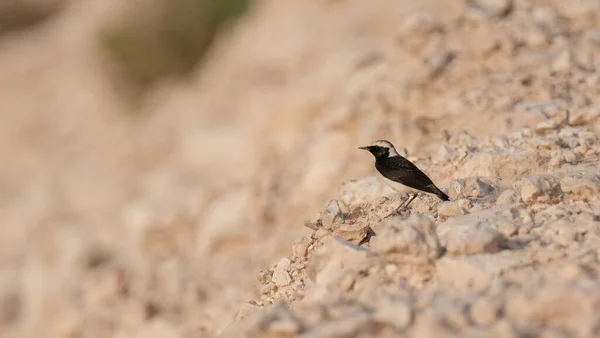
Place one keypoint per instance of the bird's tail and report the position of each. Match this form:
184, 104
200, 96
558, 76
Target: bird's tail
440, 194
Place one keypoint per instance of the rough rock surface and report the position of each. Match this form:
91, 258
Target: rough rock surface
155, 224
490, 270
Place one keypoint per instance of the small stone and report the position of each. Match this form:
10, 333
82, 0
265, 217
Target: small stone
300, 247
450, 209
583, 117
320, 233
546, 126
265, 276
281, 278
353, 233
266, 289
283, 264
508, 196
539, 188
332, 213
470, 187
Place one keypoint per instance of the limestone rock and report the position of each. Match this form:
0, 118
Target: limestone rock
355, 192
332, 214
300, 247
469, 239
506, 219
411, 239
508, 196
478, 271
281, 277
450, 209
327, 263
354, 233
503, 164
540, 188
470, 187
586, 186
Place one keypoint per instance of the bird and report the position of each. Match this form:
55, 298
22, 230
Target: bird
401, 174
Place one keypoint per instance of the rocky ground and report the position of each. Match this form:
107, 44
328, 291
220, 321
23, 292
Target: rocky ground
155, 224
515, 253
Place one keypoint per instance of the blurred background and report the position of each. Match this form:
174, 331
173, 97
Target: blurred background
157, 154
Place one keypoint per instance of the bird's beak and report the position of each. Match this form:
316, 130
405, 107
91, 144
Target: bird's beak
363, 148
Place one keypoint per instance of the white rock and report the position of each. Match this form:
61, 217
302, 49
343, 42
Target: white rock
281, 278
450, 209
355, 192
503, 164
327, 264
332, 213
354, 233
470, 187
508, 196
407, 240
507, 219
470, 239
283, 264
476, 272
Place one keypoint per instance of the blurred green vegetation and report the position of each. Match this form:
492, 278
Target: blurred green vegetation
167, 38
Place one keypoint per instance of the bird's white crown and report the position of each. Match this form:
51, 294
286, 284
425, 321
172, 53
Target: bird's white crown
386, 144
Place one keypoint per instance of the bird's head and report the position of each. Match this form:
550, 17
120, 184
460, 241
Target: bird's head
381, 149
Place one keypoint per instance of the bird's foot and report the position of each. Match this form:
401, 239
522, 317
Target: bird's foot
399, 211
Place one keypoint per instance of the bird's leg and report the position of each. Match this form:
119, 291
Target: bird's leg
403, 203
404, 206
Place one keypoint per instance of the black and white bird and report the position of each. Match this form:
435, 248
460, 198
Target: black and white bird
401, 174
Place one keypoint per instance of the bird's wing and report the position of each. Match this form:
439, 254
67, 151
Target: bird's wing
401, 170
